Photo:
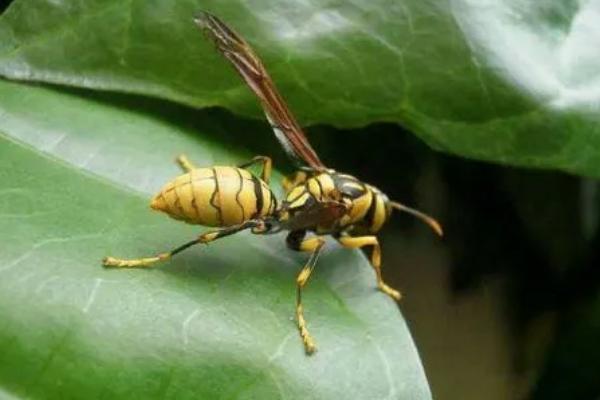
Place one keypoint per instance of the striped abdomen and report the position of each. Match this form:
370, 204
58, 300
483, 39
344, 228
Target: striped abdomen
218, 196
376, 216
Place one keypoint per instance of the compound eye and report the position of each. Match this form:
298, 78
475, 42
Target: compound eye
353, 190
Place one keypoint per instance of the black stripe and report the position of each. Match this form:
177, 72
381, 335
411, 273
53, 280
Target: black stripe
370, 217
213, 197
177, 204
194, 205
237, 195
273, 204
320, 187
300, 195
258, 194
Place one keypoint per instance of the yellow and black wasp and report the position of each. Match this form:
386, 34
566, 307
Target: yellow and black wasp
318, 201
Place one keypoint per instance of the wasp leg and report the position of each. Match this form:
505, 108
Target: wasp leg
257, 226
184, 163
296, 241
361, 241
265, 174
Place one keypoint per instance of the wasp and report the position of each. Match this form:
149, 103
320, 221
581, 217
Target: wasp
318, 201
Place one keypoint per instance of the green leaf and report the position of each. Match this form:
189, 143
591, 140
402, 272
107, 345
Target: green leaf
509, 81
215, 322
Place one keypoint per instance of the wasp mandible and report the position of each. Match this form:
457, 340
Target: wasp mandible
318, 200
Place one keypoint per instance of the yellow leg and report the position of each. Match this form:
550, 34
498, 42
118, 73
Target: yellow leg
204, 238
266, 162
135, 262
313, 245
184, 163
361, 241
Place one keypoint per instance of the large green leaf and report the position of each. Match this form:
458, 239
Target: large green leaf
215, 322
510, 81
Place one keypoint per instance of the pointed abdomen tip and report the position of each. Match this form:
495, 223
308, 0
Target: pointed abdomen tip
158, 203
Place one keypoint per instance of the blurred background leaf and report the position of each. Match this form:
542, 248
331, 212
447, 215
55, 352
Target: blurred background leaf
508, 81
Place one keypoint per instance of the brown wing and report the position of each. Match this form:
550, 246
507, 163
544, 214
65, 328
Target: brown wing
249, 66
321, 213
